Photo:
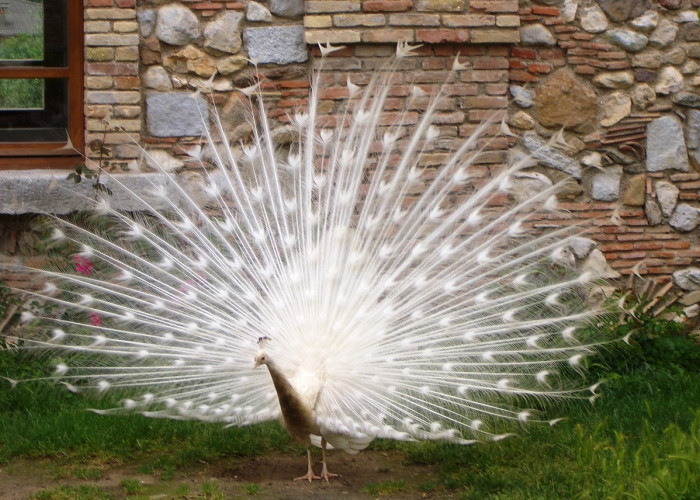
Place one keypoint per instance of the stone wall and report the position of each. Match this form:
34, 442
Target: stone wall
604, 93
615, 84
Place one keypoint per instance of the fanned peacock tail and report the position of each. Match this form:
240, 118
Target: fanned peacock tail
405, 298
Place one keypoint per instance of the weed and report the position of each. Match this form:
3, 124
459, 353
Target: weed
83, 492
211, 489
251, 489
131, 486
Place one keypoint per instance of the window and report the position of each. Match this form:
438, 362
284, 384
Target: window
41, 81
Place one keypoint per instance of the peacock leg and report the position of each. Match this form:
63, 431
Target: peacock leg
310, 474
324, 473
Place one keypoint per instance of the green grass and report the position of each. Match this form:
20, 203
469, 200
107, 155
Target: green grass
641, 439
18, 93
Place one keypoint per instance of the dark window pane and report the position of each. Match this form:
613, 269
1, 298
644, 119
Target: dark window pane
46, 123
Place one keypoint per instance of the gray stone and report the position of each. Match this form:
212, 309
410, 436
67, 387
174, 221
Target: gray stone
687, 16
685, 218
648, 59
653, 212
622, 10
605, 187
593, 19
629, 40
549, 156
669, 81
292, 9
157, 78
666, 146
693, 128
687, 279
257, 13
597, 265
224, 33
176, 25
567, 12
523, 97
536, 34
276, 44
647, 22
527, 185
675, 55
667, 194
614, 79
614, 108
687, 99
176, 114
147, 22
581, 246
643, 95
42, 191
664, 34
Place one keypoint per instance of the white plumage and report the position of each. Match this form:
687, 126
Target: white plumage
400, 301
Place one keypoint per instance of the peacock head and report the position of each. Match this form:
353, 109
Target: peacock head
261, 357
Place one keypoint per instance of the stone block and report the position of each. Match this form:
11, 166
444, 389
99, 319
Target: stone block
276, 44
666, 146
110, 40
41, 191
495, 36
332, 36
175, 114
352, 20
292, 9
331, 6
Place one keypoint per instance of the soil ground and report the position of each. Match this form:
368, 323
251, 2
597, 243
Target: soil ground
267, 477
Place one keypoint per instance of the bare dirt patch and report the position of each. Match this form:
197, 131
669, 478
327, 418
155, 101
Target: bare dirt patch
266, 477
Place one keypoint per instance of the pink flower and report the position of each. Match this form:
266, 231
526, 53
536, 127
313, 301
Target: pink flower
95, 319
83, 265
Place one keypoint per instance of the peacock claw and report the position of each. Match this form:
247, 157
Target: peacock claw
309, 476
328, 475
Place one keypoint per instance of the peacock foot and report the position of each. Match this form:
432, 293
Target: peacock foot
310, 476
327, 475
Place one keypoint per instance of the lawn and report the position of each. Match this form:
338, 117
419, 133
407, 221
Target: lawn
641, 439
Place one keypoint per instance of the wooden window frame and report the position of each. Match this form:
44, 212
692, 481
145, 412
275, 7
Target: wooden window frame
54, 154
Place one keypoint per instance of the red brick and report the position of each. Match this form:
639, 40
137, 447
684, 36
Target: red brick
493, 5
126, 4
99, 3
112, 68
213, 6
617, 65
517, 65
126, 82
582, 36
442, 35
333, 93
648, 245
584, 70
491, 64
539, 68
521, 76
387, 5
678, 245
541, 10
522, 53
549, 54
